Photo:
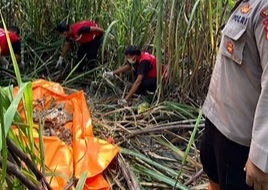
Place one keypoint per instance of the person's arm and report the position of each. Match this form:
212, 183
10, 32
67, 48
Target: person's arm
96, 29
134, 87
17, 50
257, 165
122, 69
88, 29
84, 30
65, 48
63, 52
110, 74
142, 70
18, 58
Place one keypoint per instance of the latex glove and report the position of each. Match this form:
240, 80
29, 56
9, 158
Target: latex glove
59, 61
111, 36
4, 62
107, 74
122, 102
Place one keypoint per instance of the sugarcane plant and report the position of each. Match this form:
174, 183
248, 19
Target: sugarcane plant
17, 157
183, 34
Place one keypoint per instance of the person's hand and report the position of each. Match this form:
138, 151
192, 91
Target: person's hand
22, 64
59, 62
78, 38
255, 177
122, 102
111, 36
107, 74
4, 62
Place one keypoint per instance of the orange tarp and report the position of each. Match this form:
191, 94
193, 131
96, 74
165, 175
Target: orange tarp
86, 153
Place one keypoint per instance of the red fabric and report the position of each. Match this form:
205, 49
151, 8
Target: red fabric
3, 41
85, 37
153, 71
148, 57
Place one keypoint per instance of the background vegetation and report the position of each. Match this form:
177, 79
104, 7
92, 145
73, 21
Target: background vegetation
184, 34
188, 32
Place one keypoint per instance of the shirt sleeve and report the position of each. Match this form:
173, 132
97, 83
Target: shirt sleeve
83, 30
68, 40
144, 67
259, 143
16, 47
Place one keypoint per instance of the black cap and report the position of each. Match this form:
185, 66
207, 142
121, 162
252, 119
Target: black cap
62, 27
14, 29
132, 50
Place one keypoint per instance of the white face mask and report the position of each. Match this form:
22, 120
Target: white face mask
131, 61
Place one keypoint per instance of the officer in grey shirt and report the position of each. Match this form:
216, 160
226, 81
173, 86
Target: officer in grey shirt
234, 147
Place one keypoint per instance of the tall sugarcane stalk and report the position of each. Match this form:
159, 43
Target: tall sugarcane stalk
22, 156
12, 169
158, 42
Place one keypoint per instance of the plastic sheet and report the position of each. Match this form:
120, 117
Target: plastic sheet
86, 153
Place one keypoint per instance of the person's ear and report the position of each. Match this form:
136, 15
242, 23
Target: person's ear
64, 34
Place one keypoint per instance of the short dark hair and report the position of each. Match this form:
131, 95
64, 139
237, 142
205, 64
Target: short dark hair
132, 50
62, 27
14, 29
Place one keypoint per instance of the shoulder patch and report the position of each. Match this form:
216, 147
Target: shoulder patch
264, 13
245, 9
230, 47
265, 23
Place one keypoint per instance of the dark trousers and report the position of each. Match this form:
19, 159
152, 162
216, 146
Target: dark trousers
148, 84
88, 52
223, 160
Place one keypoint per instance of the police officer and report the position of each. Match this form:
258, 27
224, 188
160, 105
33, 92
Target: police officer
234, 148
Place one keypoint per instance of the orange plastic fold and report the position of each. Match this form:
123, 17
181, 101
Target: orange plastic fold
86, 153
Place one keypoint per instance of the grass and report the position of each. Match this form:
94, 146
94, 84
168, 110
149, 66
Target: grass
157, 146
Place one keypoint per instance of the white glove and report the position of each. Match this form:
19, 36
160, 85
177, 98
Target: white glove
107, 75
22, 64
111, 36
59, 61
122, 102
4, 62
